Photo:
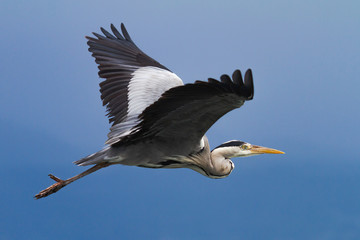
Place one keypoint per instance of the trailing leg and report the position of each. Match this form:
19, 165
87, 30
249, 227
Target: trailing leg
62, 183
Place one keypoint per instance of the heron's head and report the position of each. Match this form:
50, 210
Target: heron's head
236, 148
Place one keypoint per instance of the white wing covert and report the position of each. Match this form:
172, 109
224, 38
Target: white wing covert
133, 82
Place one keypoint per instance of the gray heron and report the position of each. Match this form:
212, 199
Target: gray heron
157, 121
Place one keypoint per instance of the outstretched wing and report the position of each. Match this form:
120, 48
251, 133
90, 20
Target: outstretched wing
183, 114
133, 82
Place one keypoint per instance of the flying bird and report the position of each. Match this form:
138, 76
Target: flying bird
157, 121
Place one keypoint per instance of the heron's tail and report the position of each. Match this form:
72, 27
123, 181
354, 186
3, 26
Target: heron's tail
95, 158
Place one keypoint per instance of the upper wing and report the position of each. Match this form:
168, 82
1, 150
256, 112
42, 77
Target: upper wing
133, 82
183, 114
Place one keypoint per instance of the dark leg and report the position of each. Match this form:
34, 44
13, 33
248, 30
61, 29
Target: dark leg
62, 183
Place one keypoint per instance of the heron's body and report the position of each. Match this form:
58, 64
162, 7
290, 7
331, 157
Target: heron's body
157, 121
157, 154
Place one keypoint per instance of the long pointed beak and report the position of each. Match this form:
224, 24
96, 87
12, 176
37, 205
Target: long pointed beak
260, 149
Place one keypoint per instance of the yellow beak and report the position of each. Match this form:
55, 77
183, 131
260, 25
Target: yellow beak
259, 149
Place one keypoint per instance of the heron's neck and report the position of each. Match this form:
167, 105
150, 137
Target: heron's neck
210, 164
221, 163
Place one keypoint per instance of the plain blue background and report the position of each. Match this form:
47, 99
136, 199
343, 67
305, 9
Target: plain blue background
305, 56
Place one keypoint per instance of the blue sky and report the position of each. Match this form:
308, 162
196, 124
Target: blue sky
305, 57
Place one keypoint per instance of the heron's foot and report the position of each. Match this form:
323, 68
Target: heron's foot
53, 188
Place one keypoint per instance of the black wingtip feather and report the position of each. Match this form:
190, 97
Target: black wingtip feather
226, 79
107, 34
237, 77
98, 35
249, 83
212, 80
244, 88
125, 33
116, 32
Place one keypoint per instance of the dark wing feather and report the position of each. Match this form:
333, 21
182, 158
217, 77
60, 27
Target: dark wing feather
183, 114
118, 57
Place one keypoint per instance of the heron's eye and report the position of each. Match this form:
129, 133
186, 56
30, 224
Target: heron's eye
245, 147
